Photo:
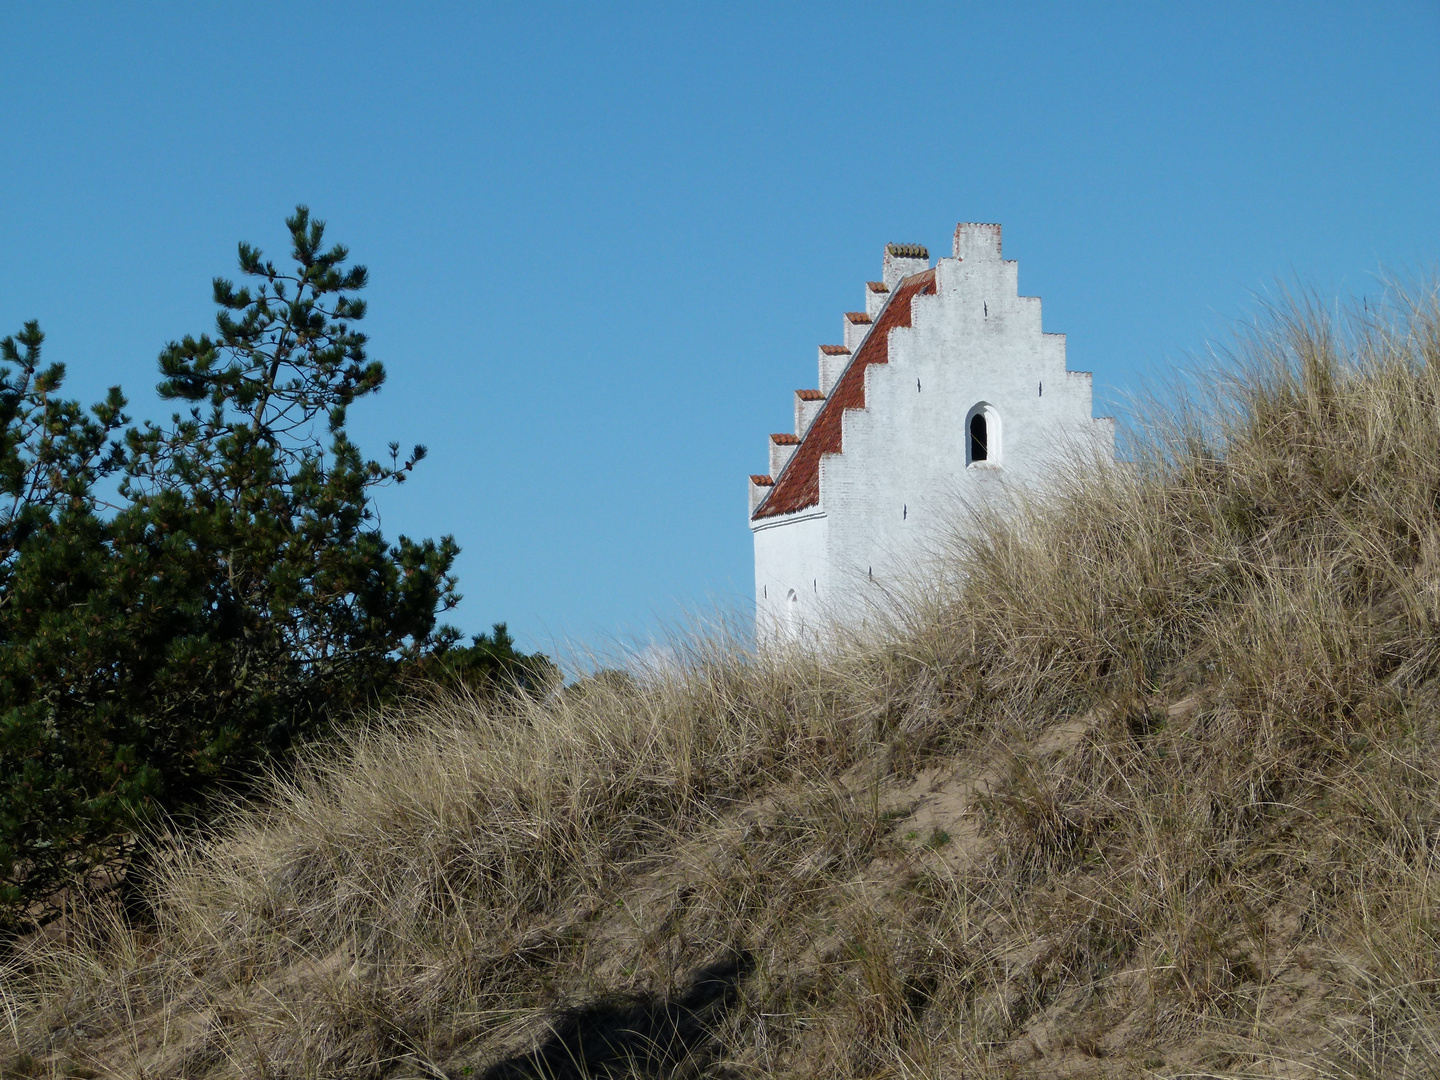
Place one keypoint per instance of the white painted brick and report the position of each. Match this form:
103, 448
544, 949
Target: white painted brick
893, 495
780, 455
831, 365
805, 410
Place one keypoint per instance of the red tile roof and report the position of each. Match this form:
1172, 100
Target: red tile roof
877, 286
784, 438
834, 350
857, 316
809, 395
761, 481
798, 485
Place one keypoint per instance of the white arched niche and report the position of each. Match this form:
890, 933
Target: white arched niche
792, 615
984, 436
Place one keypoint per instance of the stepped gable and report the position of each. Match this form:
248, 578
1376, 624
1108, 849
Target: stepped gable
798, 485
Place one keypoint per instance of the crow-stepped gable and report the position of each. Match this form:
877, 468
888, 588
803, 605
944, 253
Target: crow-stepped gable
944, 391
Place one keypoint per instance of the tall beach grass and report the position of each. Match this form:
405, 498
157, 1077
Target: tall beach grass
1149, 786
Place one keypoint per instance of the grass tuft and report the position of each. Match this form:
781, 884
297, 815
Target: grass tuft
1144, 784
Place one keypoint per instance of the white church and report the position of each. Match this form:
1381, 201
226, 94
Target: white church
944, 391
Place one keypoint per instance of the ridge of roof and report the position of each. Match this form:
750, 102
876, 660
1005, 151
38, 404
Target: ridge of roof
798, 485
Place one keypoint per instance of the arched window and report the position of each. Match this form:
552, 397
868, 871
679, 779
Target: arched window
979, 438
792, 615
982, 435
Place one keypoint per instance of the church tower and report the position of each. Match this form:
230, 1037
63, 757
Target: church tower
943, 391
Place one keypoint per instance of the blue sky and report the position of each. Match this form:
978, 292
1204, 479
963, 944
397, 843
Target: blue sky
604, 242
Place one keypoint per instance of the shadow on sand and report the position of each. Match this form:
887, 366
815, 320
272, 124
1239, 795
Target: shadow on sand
635, 1035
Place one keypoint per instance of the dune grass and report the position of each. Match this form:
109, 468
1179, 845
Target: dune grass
1151, 786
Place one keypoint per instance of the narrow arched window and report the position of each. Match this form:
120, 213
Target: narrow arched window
792, 615
982, 435
979, 438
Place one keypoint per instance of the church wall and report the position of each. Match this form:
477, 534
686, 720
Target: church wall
792, 554
902, 484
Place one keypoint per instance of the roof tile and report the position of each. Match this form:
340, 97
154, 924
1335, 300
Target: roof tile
784, 438
809, 395
834, 350
907, 251
798, 485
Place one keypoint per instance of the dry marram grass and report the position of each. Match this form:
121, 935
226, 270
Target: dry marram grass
1149, 788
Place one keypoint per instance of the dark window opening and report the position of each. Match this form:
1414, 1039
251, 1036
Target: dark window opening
978, 438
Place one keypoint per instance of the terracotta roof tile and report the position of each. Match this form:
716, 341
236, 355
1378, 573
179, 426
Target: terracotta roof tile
798, 485
857, 316
784, 438
761, 481
908, 251
834, 350
877, 286
809, 395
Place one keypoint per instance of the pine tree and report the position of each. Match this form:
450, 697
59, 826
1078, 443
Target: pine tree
52, 561
490, 665
239, 600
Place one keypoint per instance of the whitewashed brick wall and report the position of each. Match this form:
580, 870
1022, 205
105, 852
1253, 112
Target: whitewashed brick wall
889, 499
